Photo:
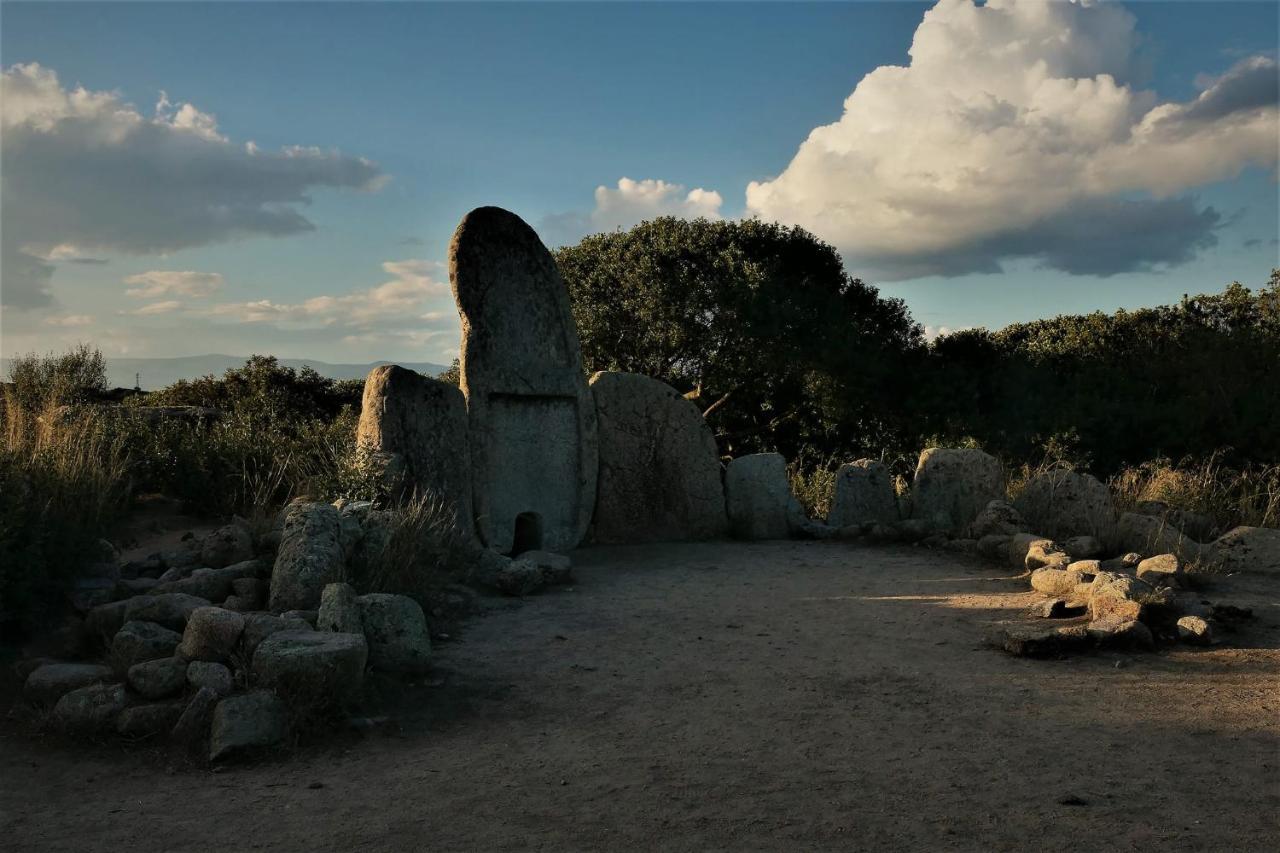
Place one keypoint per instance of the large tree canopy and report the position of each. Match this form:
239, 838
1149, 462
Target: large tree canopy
757, 322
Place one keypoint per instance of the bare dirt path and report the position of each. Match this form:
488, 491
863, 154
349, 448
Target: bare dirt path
774, 696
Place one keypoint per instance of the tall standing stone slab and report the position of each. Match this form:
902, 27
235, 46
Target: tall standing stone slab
759, 499
955, 484
659, 477
532, 420
1061, 504
415, 428
863, 492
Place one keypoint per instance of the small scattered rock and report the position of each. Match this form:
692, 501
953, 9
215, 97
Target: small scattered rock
1195, 630
1162, 570
1116, 632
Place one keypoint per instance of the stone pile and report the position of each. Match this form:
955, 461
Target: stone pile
227, 646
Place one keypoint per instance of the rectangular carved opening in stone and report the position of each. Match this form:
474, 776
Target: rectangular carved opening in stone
528, 533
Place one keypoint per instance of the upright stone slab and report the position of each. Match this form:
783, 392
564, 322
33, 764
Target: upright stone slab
955, 483
659, 477
758, 498
415, 428
533, 424
1061, 504
863, 492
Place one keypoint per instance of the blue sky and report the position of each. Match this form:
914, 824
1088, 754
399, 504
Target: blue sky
422, 111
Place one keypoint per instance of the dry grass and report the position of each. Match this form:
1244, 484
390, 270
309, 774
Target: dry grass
420, 549
1230, 496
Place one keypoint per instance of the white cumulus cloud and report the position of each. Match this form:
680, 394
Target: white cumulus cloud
628, 204
1014, 132
155, 283
88, 169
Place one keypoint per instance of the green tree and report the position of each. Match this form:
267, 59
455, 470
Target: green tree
758, 323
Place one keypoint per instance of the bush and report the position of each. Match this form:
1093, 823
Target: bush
64, 480
422, 551
42, 381
1230, 496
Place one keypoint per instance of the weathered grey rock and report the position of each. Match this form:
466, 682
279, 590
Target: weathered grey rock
415, 430
312, 664
1082, 547
955, 482
227, 545
1062, 504
90, 709
49, 683
1162, 570
156, 679
511, 577
168, 609
1114, 631
1247, 549
259, 626
863, 493
211, 634
308, 616
243, 723
1056, 582
395, 629
128, 587
998, 518
1038, 556
1195, 630
659, 476
310, 556
1038, 640
1147, 535
193, 723
102, 622
1059, 608
339, 610
215, 676
1124, 563
758, 497
250, 589
1021, 544
212, 584
556, 568
995, 546
136, 642
1122, 596
532, 420
149, 720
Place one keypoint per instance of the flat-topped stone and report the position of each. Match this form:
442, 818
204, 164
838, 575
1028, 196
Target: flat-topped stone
531, 416
863, 493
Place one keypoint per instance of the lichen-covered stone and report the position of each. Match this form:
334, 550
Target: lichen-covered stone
136, 642
863, 493
396, 630
532, 423
659, 476
415, 430
49, 683
243, 723
1062, 504
211, 634
956, 483
310, 556
759, 499
90, 709
313, 664
156, 679
339, 610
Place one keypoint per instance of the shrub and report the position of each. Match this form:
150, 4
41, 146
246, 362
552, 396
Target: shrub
1230, 496
41, 381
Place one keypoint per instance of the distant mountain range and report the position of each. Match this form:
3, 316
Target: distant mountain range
153, 373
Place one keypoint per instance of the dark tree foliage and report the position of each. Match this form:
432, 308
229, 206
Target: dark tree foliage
1114, 389
757, 323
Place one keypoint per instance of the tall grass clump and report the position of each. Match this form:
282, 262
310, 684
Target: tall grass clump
417, 549
1230, 496
64, 480
813, 482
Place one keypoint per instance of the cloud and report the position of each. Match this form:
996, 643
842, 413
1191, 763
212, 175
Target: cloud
154, 283
1011, 127
89, 170
69, 321
627, 204
399, 301
166, 307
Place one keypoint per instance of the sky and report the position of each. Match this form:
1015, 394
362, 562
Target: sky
188, 178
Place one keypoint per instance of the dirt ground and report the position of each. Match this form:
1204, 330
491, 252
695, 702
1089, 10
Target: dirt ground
771, 696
